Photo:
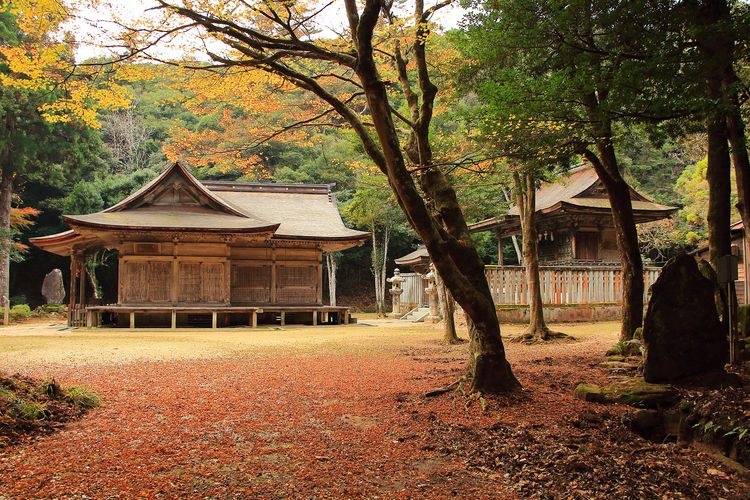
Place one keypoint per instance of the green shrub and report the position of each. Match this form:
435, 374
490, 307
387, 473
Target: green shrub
83, 397
28, 410
7, 395
20, 311
51, 309
17, 299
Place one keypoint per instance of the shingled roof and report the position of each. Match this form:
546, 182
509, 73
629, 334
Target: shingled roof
577, 192
177, 201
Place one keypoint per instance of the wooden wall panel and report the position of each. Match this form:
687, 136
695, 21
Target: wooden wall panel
160, 281
212, 282
250, 253
189, 282
296, 284
251, 283
135, 282
298, 254
201, 249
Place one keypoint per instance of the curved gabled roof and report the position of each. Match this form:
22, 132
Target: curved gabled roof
581, 191
301, 215
178, 168
176, 201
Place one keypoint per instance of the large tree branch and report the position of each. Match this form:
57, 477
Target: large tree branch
257, 39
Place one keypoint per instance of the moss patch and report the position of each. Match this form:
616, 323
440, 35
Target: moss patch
632, 391
29, 406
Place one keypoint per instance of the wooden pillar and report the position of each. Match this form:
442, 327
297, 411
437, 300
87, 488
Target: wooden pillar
132, 321
283, 318
315, 318
254, 319
319, 269
175, 276
500, 258
82, 283
72, 292
174, 319
214, 319
273, 275
346, 316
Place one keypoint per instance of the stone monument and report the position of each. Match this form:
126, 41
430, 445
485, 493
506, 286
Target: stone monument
682, 333
53, 289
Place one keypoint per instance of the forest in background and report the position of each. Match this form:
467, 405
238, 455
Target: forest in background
215, 122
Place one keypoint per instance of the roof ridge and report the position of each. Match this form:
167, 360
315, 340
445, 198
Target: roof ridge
269, 187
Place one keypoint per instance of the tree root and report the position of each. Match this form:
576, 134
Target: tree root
541, 337
448, 388
455, 341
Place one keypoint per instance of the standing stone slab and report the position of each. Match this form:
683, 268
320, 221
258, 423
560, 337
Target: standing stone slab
53, 289
682, 333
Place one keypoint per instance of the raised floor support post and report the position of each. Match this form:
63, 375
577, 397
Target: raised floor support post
174, 319
132, 321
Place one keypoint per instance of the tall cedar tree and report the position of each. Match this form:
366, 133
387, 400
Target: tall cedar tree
46, 111
718, 28
581, 67
277, 37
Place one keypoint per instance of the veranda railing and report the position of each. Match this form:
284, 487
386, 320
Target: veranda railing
563, 284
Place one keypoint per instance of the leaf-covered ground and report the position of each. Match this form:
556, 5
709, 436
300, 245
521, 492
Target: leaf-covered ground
31, 407
334, 412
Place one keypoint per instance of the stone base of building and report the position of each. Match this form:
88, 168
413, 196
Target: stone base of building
562, 313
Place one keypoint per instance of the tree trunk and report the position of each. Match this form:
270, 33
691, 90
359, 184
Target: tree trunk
379, 291
719, 190
526, 201
448, 244
384, 266
716, 47
331, 267
735, 124
447, 307
514, 239
91, 266
618, 193
6, 195
739, 153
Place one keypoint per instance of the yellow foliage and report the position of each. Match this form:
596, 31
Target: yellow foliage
43, 61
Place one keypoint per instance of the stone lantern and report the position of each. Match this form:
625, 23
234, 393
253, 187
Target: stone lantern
432, 295
396, 280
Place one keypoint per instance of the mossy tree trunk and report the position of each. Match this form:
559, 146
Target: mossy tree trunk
6, 196
422, 189
525, 191
448, 309
604, 161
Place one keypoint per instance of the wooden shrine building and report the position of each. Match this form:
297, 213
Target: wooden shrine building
574, 220
193, 252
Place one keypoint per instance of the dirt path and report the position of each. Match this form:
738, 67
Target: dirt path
334, 412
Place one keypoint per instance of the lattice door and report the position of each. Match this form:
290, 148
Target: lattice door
296, 284
251, 283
